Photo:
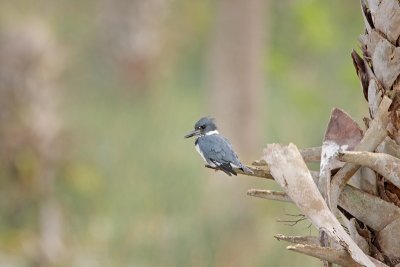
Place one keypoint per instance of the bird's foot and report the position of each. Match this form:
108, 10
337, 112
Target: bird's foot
210, 167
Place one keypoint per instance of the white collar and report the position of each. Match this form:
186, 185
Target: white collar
212, 132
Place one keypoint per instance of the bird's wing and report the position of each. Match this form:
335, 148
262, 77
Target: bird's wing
218, 148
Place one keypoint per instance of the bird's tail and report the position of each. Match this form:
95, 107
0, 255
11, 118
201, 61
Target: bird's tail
246, 169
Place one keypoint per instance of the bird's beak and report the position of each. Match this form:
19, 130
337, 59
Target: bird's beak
192, 133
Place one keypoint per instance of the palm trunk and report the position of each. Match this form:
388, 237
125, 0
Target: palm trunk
379, 72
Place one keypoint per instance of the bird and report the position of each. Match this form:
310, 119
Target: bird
215, 149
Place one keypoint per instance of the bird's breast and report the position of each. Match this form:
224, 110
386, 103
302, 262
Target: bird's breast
199, 151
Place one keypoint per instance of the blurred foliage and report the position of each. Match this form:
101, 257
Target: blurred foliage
133, 191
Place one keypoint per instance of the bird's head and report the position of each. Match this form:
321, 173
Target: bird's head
204, 126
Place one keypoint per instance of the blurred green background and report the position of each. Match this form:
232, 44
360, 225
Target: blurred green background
114, 183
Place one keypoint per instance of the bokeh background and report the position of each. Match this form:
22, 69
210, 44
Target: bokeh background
95, 97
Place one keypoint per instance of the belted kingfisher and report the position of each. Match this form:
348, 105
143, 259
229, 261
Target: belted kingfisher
214, 148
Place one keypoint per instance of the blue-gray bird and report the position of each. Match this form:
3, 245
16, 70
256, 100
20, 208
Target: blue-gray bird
214, 148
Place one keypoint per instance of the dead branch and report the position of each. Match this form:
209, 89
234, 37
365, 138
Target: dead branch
290, 171
336, 256
300, 218
386, 165
304, 240
313, 241
372, 138
262, 172
269, 194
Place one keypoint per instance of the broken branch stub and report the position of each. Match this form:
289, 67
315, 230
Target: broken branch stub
290, 171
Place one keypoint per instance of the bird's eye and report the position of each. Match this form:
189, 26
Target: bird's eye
203, 127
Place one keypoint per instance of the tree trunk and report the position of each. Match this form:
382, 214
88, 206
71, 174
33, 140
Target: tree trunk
135, 36
236, 77
30, 132
379, 72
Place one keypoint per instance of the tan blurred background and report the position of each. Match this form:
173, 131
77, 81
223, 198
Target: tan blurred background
95, 97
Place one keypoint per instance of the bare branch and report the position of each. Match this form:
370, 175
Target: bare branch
304, 240
300, 218
336, 256
262, 172
313, 242
386, 165
269, 194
